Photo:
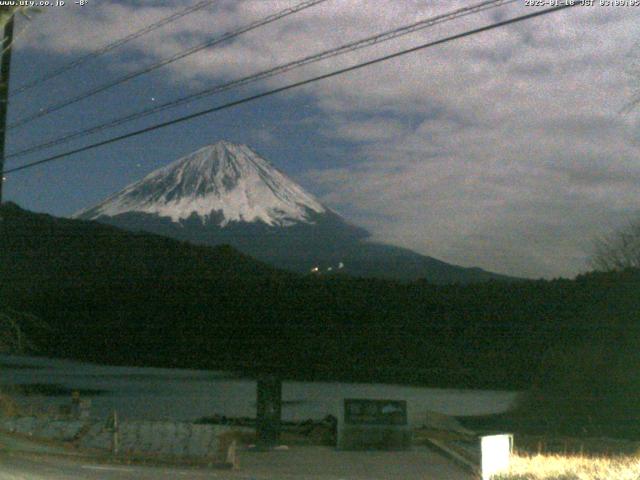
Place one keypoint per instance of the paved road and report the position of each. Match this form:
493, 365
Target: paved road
302, 463
30, 467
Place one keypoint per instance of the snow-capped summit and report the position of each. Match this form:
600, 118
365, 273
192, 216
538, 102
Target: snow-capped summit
226, 194
225, 181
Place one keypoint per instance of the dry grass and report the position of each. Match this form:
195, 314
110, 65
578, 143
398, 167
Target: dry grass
559, 467
576, 446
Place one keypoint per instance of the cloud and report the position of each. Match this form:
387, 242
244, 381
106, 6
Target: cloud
504, 150
363, 130
264, 136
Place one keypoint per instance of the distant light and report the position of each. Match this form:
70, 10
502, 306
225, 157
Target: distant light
329, 269
153, 99
4, 179
315, 270
341, 265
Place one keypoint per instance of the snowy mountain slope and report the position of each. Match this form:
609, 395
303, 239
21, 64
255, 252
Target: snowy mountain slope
226, 178
227, 194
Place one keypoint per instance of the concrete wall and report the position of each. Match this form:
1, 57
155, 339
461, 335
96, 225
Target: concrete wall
145, 437
43, 427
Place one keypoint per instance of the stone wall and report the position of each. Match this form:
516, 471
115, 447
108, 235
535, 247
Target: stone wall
139, 437
43, 427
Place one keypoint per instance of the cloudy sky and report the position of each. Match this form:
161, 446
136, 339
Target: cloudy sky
506, 150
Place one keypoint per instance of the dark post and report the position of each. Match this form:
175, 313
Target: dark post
269, 412
5, 65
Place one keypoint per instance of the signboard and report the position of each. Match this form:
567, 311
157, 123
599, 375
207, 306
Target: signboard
375, 412
367, 424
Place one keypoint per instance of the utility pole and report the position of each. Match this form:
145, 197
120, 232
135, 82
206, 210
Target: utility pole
269, 411
5, 66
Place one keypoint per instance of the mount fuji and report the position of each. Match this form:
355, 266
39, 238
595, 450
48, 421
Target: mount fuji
226, 193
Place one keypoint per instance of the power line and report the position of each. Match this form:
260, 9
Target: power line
185, 53
294, 85
280, 69
112, 46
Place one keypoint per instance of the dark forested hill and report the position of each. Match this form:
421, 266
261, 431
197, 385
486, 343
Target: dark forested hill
119, 297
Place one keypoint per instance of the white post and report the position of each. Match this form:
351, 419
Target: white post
495, 454
232, 456
114, 444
